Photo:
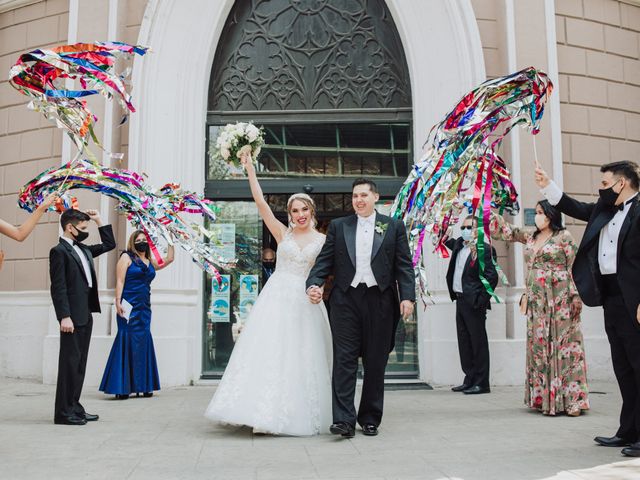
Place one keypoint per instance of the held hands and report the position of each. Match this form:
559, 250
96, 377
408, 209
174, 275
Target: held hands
406, 309
66, 325
542, 179
315, 294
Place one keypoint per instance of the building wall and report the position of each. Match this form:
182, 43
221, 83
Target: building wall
598, 82
599, 88
599, 60
28, 145
28, 142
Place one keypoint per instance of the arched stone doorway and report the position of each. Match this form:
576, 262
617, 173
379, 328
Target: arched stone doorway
168, 134
329, 83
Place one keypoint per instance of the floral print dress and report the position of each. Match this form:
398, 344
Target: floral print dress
556, 379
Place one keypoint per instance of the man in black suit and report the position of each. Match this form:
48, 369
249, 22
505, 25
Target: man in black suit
606, 272
268, 264
373, 287
472, 302
74, 291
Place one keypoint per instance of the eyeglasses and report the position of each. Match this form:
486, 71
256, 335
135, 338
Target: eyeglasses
466, 228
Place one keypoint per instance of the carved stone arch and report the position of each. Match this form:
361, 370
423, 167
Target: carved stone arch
279, 55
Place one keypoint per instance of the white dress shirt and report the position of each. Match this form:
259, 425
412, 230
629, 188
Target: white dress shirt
364, 245
461, 261
83, 259
608, 241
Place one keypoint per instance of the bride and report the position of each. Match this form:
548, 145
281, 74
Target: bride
278, 379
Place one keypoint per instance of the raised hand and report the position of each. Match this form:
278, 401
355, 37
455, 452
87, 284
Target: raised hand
542, 179
94, 215
48, 201
247, 163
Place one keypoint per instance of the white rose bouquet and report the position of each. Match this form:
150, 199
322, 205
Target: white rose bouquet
238, 138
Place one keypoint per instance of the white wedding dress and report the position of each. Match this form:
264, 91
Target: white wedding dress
278, 379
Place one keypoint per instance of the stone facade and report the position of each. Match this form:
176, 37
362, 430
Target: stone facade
591, 46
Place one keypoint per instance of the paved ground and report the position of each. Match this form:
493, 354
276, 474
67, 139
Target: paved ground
426, 435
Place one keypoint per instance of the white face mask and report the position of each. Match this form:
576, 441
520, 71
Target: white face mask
466, 234
541, 221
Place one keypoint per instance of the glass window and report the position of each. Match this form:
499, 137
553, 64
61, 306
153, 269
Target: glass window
380, 149
239, 233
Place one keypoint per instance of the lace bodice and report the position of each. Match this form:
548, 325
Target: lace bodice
295, 260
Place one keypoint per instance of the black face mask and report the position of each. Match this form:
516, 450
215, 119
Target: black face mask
608, 195
80, 236
141, 246
268, 264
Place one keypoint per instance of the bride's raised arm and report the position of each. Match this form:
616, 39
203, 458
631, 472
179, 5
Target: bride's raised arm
275, 226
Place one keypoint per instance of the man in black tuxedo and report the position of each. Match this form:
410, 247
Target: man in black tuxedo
74, 291
606, 272
374, 286
472, 302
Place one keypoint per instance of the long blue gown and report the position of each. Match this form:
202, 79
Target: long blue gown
132, 366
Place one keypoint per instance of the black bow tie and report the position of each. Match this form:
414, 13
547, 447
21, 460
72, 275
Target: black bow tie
76, 243
619, 208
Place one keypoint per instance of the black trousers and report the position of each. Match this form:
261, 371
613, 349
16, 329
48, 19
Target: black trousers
72, 365
362, 326
623, 333
473, 344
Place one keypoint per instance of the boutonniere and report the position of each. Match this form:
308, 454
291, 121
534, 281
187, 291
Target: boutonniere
381, 227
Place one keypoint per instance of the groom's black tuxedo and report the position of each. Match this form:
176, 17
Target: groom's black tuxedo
391, 260
73, 298
391, 265
363, 320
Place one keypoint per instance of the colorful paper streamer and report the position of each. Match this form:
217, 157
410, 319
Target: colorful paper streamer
461, 169
42, 74
159, 212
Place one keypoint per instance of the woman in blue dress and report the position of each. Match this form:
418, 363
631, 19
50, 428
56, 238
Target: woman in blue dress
132, 367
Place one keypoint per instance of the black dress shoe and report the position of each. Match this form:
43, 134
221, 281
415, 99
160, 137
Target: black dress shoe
476, 390
460, 388
370, 429
632, 451
147, 394
612, 441
344, 429
90, 417
70, 421
121, 396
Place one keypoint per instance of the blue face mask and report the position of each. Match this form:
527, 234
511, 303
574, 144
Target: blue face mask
466, 234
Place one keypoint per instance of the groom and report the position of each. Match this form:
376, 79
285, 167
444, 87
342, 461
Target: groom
374, 286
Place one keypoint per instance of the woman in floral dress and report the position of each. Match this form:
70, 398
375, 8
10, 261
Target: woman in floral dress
556, 370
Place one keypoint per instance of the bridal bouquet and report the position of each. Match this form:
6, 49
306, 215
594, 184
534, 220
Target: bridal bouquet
238, 138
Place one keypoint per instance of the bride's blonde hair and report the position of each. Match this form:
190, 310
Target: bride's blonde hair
308, 201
